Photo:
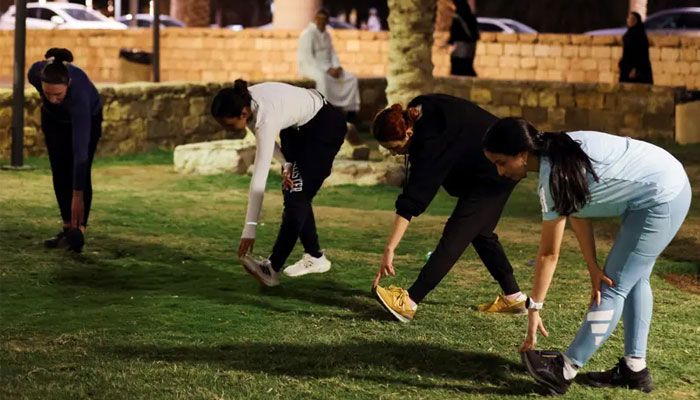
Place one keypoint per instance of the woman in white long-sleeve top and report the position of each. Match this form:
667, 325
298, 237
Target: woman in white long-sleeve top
311, 132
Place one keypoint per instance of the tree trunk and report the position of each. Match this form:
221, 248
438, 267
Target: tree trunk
639, 6
411, 26
294, 14
445, 13
191, 12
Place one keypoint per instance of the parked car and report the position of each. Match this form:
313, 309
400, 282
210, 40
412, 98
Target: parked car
333, 23
672, 21
55, 15
502, 25
146, 20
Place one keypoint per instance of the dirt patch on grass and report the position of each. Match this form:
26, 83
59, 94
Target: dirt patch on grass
686, 283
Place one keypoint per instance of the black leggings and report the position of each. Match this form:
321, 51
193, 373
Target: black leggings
311, 149
59, 144
472, 221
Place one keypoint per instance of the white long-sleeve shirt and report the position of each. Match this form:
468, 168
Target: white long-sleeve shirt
275, 106
316, 52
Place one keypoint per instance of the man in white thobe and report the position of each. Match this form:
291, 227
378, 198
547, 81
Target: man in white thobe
318, 61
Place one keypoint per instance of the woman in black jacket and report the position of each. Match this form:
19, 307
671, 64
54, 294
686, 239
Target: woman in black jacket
441, 136
464, 32
635, 65
71, 119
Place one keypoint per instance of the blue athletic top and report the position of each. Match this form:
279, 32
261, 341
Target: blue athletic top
81, 104
632, 175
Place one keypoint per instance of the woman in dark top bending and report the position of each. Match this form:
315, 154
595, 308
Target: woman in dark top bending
441, 136
71, 119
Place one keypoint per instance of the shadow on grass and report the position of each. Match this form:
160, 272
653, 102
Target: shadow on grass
118, 264
404, 364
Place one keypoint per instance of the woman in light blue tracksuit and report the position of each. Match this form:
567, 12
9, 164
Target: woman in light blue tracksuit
585, 175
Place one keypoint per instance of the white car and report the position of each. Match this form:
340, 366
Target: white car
502, 25
146, 21
55, 15
674, 21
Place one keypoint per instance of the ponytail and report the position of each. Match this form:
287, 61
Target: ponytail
229, 102
391, 123
570, 164
56, 69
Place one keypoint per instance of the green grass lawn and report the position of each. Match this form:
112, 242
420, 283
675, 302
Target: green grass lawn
158, 308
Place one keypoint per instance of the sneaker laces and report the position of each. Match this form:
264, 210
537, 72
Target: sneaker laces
265, 269
400, 297
307, 261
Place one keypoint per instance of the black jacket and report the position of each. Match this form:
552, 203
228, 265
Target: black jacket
635, 54
445, 150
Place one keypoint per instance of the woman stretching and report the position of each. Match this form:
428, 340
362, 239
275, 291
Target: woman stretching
311, 133
585, 175
441, 136
71, 119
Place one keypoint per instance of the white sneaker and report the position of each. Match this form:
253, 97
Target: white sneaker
308, 265
261, 270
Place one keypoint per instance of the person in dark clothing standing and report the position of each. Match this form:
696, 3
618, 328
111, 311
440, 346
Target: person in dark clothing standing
635, 65
464, 32
71, 119
441, 136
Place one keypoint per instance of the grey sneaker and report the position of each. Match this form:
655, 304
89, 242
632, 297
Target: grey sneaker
261, 270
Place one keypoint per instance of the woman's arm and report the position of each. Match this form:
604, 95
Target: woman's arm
583, 228
397, 232
547, 257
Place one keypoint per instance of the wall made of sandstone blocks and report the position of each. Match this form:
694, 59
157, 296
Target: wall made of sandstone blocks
137, 117
198, 54
581, 58
140, 117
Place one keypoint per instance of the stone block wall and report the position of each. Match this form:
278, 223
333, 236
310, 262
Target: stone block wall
140, 117
196, 54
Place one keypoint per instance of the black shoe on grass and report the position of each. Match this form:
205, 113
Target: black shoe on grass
547, 367
76, 240
60, 240
621, 376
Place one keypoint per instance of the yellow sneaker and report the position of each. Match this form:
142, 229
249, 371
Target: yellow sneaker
503, 305
396, 301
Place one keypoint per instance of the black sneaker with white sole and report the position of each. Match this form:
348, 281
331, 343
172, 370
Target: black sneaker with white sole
547, 367
621, 376
261, 270
58, 241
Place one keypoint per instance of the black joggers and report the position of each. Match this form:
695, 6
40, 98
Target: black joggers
311, 148
472, 221
58, 135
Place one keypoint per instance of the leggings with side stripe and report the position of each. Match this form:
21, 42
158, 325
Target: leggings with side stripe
643, 235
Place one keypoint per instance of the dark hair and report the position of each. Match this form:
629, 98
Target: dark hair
56, 70
567, 181
637, 16
229, 102
324, 11
391, 123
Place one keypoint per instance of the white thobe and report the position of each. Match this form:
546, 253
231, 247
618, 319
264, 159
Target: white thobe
316, 56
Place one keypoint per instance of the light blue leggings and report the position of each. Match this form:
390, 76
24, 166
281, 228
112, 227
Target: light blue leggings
643, 235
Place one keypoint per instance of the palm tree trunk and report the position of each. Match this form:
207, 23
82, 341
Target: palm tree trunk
445, 13
191, 12
411, 26
639, 6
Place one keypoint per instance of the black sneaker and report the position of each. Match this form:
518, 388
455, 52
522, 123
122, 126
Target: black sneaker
60, 240
76, 240
621, 376
547, 367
